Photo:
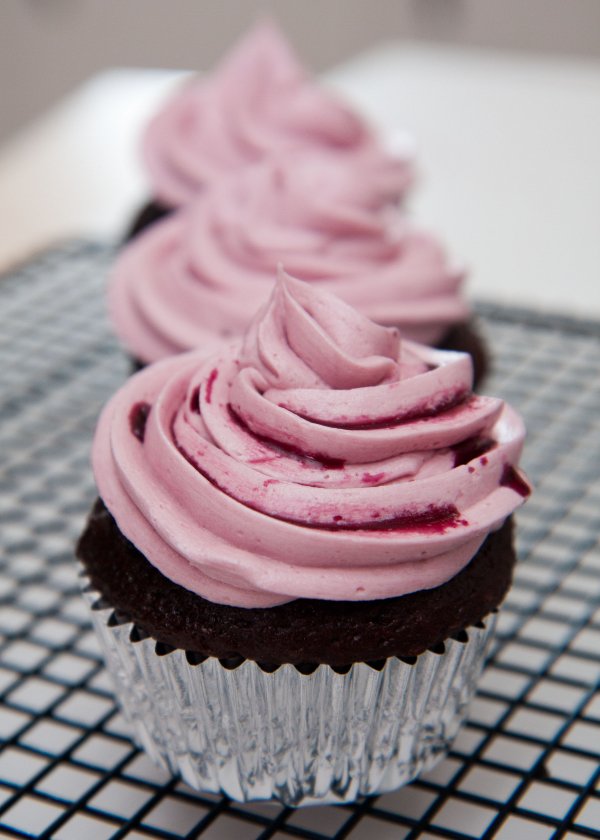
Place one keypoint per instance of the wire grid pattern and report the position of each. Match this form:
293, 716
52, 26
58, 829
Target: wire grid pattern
525, 767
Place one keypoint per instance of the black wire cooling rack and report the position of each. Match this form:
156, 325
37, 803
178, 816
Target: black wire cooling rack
525, 767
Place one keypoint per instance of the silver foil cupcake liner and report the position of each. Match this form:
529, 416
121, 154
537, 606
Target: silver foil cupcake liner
317, 738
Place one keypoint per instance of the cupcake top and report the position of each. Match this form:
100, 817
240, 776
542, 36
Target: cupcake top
258, 101
320, 457
194, 278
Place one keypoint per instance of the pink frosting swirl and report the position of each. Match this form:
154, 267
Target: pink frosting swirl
318, 458
194, 278
259, 101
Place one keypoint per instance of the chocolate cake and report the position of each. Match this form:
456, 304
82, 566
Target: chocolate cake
151, 212
303, 632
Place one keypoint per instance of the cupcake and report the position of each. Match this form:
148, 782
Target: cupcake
194, 279
297, 552
258, 102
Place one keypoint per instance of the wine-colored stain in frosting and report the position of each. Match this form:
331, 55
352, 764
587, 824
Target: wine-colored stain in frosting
511, 478
138, 417
372, 478
195, 400
209, 384
471, 448
453, 400
319, 459
434, 519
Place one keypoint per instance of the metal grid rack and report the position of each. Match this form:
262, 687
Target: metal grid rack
525, 767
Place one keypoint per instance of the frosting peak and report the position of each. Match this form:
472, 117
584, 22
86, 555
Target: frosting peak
299, 340
258, 101
320, 457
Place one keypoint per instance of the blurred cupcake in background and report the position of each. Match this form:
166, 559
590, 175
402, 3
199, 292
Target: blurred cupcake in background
258, 102
298, 550
194, 280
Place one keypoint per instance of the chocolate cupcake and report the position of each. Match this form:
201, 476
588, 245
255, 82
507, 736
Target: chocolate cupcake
258, 102
314, 525
194, 280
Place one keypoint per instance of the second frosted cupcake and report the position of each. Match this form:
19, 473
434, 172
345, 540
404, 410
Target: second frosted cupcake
196, 278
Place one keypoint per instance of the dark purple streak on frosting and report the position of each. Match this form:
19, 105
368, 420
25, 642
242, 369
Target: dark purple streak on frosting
318, 459
138, 417
209, 384
471, 448
434, 519
511, 478
372, 478
195, 400
455, 400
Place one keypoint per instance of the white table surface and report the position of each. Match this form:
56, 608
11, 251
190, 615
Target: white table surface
508, 148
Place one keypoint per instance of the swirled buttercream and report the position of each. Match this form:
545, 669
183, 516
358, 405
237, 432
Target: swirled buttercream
258, 101
319, 457
196, 277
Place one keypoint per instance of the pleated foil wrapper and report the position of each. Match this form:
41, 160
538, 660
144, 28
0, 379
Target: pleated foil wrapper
302, 739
